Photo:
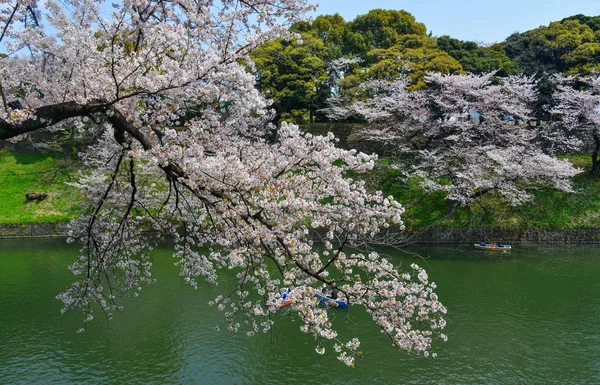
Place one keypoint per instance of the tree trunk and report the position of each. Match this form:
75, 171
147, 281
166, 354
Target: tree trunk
595, 160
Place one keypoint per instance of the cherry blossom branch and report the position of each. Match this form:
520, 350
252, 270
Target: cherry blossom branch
9, 21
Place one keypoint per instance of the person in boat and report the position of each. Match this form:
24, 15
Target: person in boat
334, 294
285, 293
482, 243
499, 244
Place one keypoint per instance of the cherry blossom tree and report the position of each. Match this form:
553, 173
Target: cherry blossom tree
464, 135
186, 151
576, 111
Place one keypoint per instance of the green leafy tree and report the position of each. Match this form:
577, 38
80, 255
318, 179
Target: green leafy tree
293, 74
567, 47
477, 59
584, 59
380, 29
591, 21
331, 29
413, 57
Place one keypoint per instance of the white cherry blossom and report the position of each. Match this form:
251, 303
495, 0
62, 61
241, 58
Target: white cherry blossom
466, 135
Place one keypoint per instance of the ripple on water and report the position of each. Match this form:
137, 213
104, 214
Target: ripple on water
531, 317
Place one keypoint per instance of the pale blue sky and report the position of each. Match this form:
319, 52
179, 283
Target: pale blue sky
483, 20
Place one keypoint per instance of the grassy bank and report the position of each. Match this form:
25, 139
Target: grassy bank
549, 210
43, 173
39, 173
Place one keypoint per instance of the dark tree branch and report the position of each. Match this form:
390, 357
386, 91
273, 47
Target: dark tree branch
4, 103
595, 152
49, 115
120, 123
12, 15
335, 257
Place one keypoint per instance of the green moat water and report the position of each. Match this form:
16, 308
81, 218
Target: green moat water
529, 317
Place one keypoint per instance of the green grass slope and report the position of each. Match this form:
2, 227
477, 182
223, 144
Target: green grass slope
549, 210
39, 173
44, 173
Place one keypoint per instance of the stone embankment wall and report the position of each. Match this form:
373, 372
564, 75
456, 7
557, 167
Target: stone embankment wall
33, 230
509, 236
432, 235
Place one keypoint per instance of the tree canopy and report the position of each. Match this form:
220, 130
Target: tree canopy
331, 29
293, 74
591, 21
477, 59
381, 28
384, 44
412, 57
568, 46
185, 152
464, 135
389, 44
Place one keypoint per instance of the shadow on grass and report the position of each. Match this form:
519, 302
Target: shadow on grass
24, 158
30, 158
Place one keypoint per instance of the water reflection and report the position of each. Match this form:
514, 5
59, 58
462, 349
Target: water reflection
530, 316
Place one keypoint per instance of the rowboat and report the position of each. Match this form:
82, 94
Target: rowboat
283, 301
286, 303
491, 247
279, 303
331, 302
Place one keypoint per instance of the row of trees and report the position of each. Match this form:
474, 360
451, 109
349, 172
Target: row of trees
496, 130
470, 135
334, 57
